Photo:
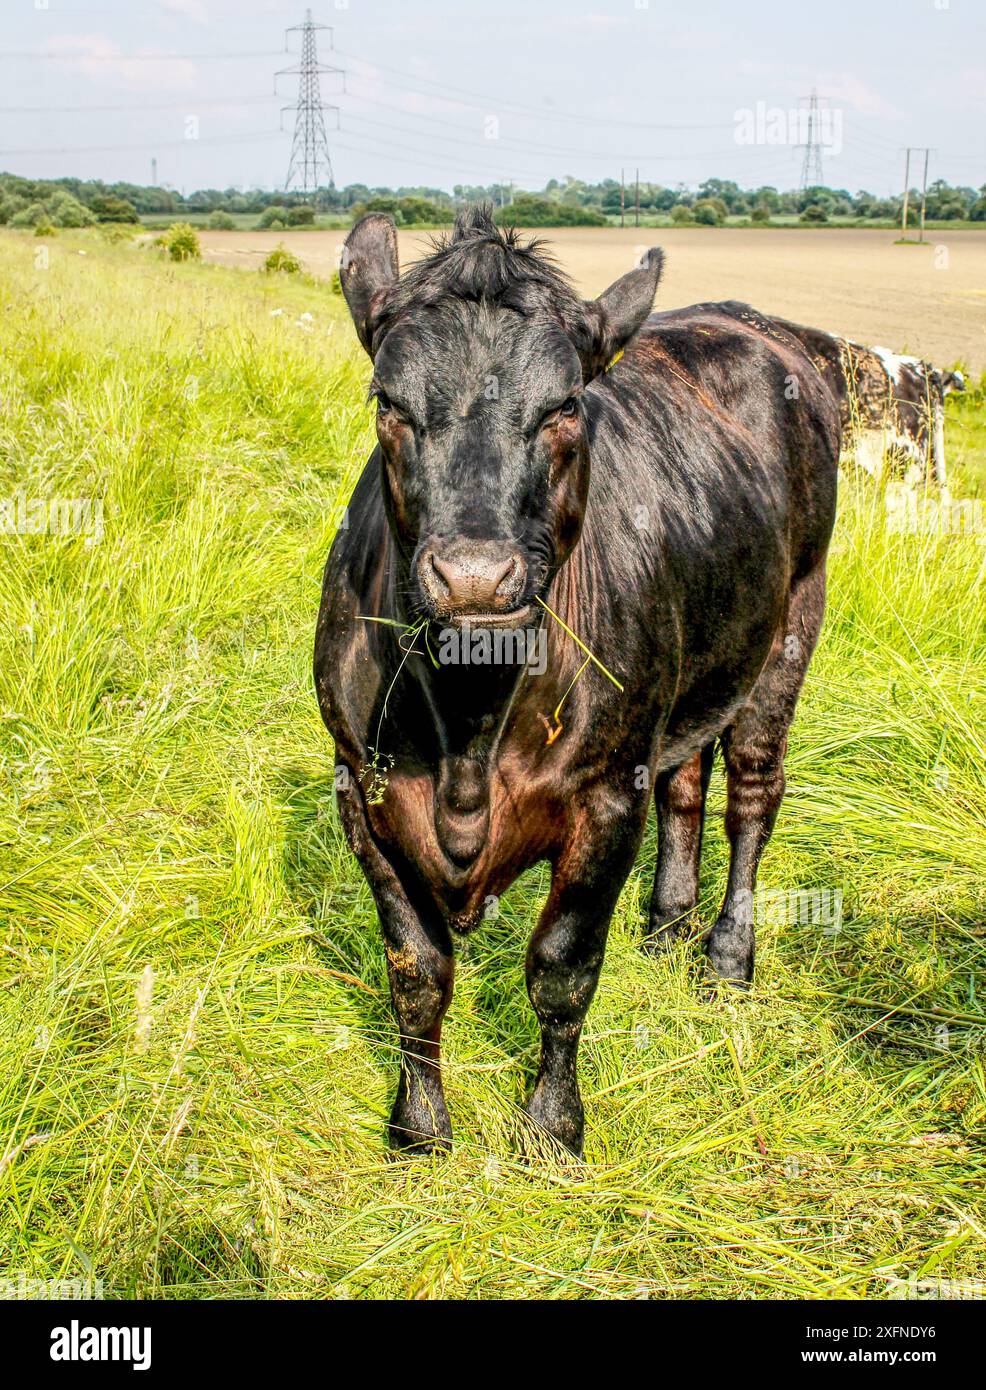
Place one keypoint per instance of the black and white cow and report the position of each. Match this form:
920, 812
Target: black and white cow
891, 406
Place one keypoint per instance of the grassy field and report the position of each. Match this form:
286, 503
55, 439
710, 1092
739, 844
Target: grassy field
196, 1049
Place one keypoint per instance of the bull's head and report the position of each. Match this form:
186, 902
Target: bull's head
480, 354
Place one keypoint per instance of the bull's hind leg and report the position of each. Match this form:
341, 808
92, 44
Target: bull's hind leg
753, 748
679, 798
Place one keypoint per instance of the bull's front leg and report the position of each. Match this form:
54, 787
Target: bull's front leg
420, 967
565, 956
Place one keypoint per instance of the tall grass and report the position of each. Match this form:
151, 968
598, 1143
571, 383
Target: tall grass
197, 1048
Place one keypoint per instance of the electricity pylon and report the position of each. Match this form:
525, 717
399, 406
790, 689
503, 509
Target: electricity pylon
811, 166
310, 165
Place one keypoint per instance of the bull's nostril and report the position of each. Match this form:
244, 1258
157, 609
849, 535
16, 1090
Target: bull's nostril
500, 577
440, 572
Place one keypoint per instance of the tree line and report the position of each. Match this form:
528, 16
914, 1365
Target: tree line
70, 202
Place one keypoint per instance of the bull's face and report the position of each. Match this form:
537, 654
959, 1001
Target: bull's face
478, 380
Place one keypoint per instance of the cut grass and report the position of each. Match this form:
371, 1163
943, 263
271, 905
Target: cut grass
197, 1047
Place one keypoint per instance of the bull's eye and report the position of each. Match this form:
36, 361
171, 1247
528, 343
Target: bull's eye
565, 411
384, 406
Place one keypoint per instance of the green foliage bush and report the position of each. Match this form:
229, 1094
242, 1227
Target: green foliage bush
708, 214
220, 221
29, 216
181, 242
274, 216
117, 231
528, 211
406, 212
281, 261
66, 211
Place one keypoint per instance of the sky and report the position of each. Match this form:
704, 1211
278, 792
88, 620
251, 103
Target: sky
481, 91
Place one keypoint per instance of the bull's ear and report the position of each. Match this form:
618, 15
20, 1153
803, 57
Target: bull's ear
368, 270
620, 311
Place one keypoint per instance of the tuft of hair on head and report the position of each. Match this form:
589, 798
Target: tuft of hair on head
481, 260
477, 222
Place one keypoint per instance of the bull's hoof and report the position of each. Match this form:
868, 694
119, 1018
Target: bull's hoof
419, 1129
556, 1118
663, 934
730, 953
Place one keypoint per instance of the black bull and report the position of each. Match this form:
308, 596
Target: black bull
674, 514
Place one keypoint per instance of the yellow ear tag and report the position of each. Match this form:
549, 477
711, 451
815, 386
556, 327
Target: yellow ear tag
614, 361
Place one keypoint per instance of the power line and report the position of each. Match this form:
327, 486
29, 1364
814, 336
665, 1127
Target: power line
80, 55
251, 136
566, 151
188, 102
476, 99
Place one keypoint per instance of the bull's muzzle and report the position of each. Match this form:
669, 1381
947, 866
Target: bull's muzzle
474, 580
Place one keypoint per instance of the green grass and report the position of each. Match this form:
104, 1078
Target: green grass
196, 1049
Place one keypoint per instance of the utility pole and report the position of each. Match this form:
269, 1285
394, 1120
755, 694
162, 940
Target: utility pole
622, 197
636, 199
924, 192
907, 185
914, 149
154, 173
310, 163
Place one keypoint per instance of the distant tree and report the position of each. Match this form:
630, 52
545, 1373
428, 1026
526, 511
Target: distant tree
724, 191
709, 212
529, 211
406, 212
767, 197
30, 216
66, 211
110, 208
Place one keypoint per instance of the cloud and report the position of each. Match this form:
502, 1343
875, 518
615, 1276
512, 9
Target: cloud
100, 58
962, 91
597, 21
843, 89
189, 9
790, 83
